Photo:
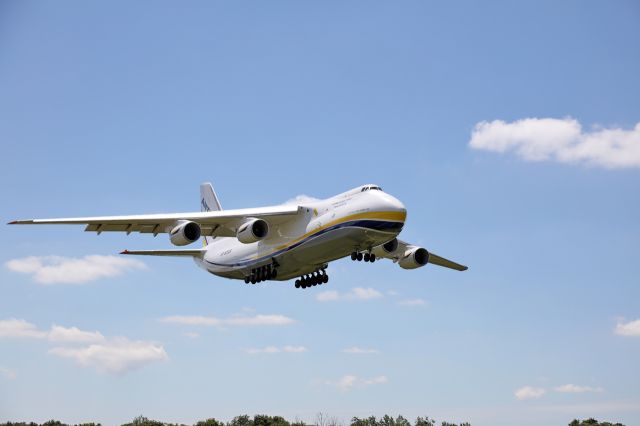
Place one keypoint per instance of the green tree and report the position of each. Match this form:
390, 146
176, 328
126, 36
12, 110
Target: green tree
209, 422
425, 421
242, 420
143, 421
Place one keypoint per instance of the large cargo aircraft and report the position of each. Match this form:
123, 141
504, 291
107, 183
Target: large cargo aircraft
279, 242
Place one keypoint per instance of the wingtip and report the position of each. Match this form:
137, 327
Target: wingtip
124, 252
13, 222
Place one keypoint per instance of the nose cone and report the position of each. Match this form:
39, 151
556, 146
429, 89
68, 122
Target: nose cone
391, 203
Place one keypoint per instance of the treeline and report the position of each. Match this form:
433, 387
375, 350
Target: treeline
321, 420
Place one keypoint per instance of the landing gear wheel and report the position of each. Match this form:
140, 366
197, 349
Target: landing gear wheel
325, 279
297, 283
354, 256
372, 258
359, 257
367, 257
253, 279
246, 280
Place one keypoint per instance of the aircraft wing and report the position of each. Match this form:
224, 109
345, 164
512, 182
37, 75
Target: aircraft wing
213, 223
404, 247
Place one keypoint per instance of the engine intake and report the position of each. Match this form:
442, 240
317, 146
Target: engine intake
414, 258
185, 232
386, 249
252, 230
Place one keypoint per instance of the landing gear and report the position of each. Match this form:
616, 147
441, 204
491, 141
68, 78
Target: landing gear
318, 277
262, 273
367, 256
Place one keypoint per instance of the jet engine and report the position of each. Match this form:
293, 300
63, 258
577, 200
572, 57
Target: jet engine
386, 249
252, 230
185, 232
415, 257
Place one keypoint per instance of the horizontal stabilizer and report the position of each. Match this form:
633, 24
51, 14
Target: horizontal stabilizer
188, 253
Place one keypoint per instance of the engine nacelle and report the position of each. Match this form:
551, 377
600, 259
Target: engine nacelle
252, 230
415, 257
386, 249
185, 232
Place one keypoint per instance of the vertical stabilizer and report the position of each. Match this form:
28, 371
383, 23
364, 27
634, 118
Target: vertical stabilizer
208, 203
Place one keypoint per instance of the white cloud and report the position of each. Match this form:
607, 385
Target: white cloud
560, 140
301, 199
7, 373
20, 328
350, 381
631, 328
118, 355
275, 350
355, 350
364, 293
358, 293
294, 349
412, 302
67, 270
239, 321
570, 388
327, 296
529, 392
73, 334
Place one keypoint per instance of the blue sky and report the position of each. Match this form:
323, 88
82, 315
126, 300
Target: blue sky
508, 130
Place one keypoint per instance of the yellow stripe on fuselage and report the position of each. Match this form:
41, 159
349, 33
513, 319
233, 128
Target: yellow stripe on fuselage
396, 216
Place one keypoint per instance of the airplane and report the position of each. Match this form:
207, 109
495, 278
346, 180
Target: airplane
278, 242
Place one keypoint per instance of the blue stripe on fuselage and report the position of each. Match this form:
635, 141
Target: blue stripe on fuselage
377, 225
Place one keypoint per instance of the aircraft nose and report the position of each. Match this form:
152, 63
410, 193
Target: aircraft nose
393, 204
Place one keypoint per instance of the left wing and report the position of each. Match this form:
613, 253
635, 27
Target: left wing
214, 223
187, 253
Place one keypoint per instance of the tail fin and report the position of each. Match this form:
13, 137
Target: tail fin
208, 203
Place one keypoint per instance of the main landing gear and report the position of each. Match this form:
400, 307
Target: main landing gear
367, 257
316, 278
263, 273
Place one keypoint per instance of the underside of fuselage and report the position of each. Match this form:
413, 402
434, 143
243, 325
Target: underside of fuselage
311, 254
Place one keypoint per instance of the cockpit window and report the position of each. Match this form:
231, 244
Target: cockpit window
367, 188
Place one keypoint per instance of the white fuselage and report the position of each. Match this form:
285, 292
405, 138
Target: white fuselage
330, 229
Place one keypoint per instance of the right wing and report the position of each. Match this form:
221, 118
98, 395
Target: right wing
213, 223
403, 249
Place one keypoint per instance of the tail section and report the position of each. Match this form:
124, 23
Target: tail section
208, 203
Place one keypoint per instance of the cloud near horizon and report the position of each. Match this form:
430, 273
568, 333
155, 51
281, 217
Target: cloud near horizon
19, 328
560, 140
112, 355
72, 270
571, 388
358, 293
349, 381
355, 350
631, 328
276, 350
529, 392
118, 355
237, 321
